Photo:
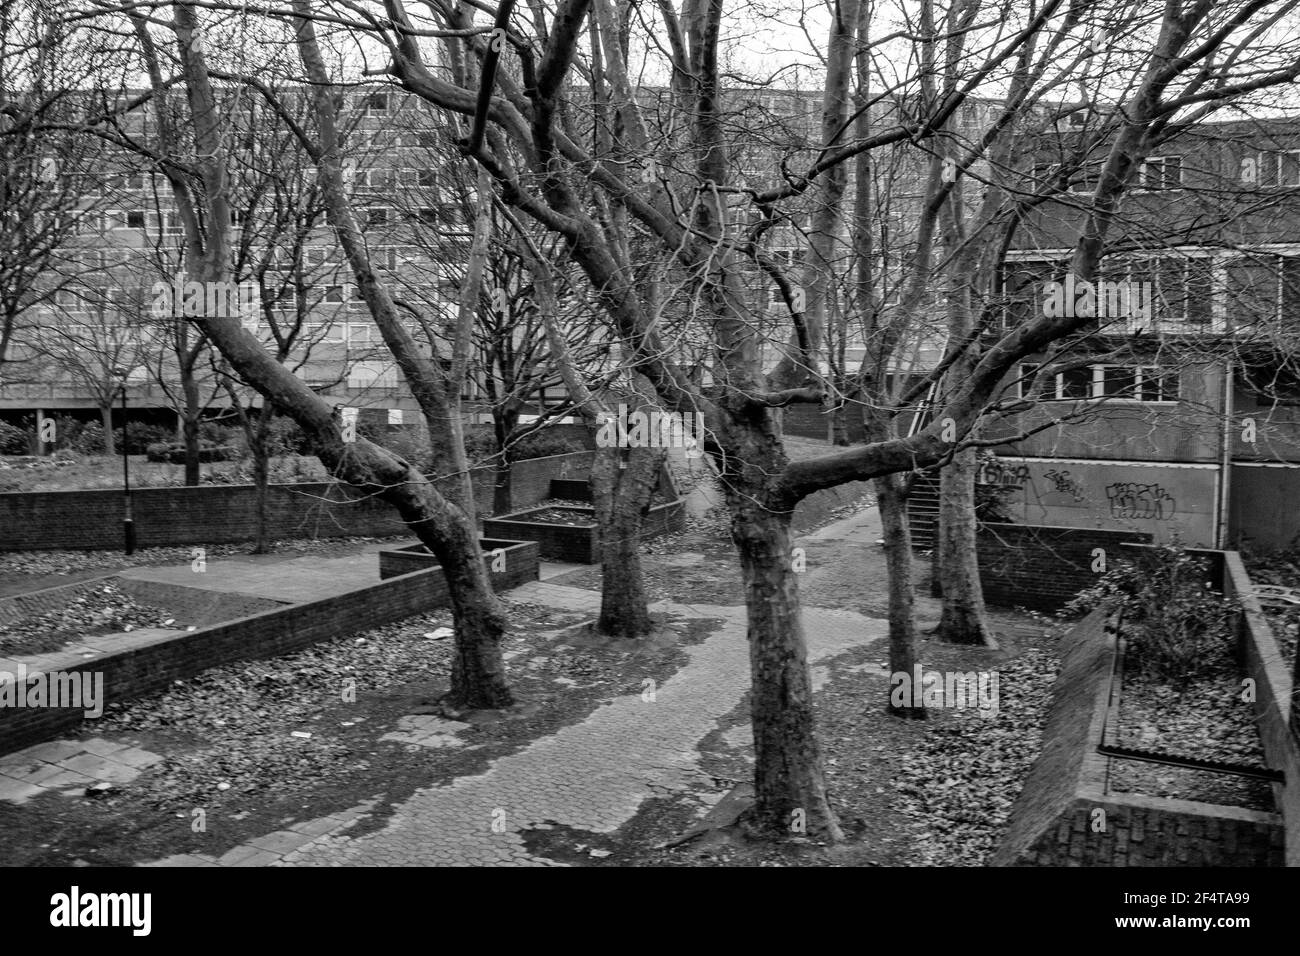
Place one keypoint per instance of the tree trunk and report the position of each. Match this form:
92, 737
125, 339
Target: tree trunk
963, 620
622, 483
106, 420
258, 446
891, 498
789, 781
503, 490
190, 429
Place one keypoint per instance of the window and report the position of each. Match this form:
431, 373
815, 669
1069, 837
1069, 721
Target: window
376, 216
1023, 289
427, 140
1279, 169
334, 333
1085, 178
334, 293
375, 102
1179, 289
372, 375
1128, 383
427, 215
427, 178
385, 257
1162, 172
1135, 383
1074, 384
358, 335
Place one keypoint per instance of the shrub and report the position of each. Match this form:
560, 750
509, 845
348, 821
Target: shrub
141, 435
543, 444
87, 438
286, 438
1175, 625
13, 439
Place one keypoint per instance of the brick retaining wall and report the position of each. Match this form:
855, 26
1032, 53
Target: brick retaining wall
221, 514
152, 667
1041, 568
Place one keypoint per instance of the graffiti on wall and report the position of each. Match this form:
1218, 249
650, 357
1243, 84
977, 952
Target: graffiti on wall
1144, 502
1062, 482
993, 471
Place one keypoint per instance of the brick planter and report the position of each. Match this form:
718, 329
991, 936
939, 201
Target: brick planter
578, 544
510, 563
1066, 814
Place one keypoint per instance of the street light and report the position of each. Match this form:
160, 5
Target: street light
128, 520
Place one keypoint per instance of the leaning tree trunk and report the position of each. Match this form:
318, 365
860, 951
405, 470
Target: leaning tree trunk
891, 498
963, 620
622, 485
789, 781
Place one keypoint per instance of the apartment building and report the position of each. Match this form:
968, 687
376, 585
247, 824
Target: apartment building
1177, 413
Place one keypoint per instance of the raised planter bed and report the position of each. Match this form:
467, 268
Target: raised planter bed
510, 563
569, 533
1081, 806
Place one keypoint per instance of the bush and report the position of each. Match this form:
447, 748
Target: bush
157, 451
543, 444
1175, 626
140, 436
13, 439
286, 438
87, 438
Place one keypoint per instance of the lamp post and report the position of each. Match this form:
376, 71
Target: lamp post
128, 520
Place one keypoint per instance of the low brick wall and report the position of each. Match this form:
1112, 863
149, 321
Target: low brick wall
31, 603
1274, 711
1054, 821
152, 667
579, 545
555, 542
223, 514
518, 561
1042, 568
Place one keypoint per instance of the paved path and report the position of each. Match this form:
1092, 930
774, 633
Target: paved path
295, 579
590, 776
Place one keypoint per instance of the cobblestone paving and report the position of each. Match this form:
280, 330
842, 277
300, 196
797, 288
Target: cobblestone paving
590, 776
69, 767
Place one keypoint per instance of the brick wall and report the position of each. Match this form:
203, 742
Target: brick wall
519, 561
151, 668
220, 514
580, 545
1054, 820
33, 603
1274, 705
1041, 568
